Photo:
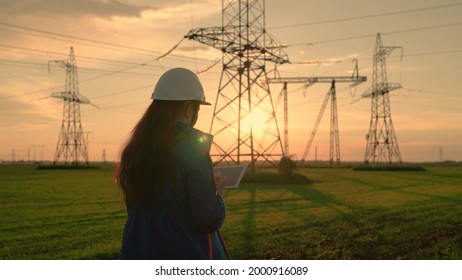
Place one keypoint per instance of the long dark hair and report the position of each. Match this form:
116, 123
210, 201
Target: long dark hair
146, 158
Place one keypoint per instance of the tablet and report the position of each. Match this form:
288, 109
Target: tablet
232, 173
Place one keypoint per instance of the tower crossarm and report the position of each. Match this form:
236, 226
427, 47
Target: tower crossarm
387, 50
221, 38
380, 89
68, 96
228, 40
312, 80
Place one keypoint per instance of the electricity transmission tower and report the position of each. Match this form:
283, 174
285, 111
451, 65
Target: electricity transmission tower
244, 121
331, 95
71, 143
382, 145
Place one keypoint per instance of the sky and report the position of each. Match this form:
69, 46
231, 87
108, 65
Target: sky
117, 45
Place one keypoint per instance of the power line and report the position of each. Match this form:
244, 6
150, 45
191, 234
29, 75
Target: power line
125, 105
429, 91
73, 42
81, 69
424, 28
123, 91
16, 106
79, 38
327, 62
47, 53
366, 16
118, 71
118, 46
446, 109
368, 36
106, 73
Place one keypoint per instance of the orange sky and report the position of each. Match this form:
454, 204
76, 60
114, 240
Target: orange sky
426, 112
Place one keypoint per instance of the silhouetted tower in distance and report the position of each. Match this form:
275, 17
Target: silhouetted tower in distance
71, 146
382, 145
244, 121
331, 95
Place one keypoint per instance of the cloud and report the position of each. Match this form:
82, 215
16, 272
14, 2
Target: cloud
154, 9
100, 8
195, 48
25, 103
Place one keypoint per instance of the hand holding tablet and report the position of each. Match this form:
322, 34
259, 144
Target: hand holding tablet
232, 175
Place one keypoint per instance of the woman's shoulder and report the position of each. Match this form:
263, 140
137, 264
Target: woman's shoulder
189, 138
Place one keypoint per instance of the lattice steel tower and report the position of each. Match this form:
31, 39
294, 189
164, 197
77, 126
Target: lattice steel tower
382, 145
244, 120
331, 95
71, 144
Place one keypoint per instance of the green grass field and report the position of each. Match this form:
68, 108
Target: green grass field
342, 214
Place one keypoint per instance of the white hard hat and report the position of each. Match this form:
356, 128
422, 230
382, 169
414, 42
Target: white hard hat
179, 84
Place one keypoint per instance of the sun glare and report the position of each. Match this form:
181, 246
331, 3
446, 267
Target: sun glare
256, 120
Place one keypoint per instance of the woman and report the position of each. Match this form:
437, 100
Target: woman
175, 205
